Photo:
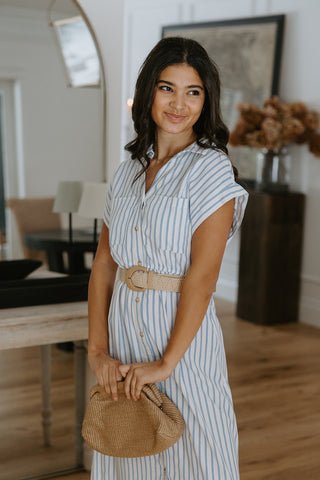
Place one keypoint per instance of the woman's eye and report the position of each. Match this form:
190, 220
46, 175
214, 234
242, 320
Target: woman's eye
165, 88
194, 92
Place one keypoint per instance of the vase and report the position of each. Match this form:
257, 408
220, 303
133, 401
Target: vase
273, 170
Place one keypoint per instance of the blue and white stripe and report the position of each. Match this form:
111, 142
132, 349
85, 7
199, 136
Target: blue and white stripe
156, 229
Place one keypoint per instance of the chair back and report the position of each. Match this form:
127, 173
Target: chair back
32, 214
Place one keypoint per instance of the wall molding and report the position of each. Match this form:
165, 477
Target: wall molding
309, 305
227, 289
315, 279
310, 311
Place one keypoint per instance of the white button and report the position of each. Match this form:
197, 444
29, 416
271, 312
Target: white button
139, 263
141, 334
136, 228
137, 300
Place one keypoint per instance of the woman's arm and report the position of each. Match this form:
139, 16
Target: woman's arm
207, 249
101, 285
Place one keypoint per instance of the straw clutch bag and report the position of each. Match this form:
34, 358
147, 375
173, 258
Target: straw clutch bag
126, 428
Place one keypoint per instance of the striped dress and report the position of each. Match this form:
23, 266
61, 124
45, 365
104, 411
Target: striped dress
155, 229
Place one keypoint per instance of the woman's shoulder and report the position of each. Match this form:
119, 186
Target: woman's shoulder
209, 159
125, 169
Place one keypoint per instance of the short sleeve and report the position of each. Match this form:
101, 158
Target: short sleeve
211, 185
107, 207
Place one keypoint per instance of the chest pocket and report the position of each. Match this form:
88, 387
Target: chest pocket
168, 223
121, 214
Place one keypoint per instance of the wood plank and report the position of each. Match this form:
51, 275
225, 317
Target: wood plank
44, 324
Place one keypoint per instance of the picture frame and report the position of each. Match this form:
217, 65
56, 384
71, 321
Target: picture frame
247, 52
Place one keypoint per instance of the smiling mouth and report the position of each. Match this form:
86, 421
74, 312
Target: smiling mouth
174, 118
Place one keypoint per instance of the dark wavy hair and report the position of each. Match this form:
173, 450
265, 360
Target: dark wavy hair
210, 129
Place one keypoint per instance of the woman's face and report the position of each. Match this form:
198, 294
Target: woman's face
178, 99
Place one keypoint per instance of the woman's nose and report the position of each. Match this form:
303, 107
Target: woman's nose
178, 101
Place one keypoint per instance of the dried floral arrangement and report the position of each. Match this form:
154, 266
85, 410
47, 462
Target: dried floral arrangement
276, 124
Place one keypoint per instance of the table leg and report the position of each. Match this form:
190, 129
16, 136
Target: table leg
55, 260
45, 351
80, 391
76, 263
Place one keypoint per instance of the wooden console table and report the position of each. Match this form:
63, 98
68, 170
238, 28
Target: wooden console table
270, 258
44, 325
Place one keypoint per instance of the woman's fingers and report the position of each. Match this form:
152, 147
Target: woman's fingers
113, 384
133, 387
124, 369
105, 381
138, 389
107, 373
127, 384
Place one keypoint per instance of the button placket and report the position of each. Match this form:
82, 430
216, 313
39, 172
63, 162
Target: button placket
139, 243
138, 229
138, 323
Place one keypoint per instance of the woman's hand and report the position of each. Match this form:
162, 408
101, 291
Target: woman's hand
138, 374
107, 371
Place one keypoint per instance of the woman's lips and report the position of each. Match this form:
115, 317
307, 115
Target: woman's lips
174, 118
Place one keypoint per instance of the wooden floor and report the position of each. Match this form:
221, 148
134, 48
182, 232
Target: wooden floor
274, 374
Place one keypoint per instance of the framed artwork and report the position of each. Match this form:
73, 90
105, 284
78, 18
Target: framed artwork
247, 52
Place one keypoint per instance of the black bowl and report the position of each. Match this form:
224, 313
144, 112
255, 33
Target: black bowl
17, 269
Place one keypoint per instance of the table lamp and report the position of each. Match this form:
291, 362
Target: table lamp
92, 203
67, 200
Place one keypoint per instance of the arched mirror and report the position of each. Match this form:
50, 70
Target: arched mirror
52, 126
52, 102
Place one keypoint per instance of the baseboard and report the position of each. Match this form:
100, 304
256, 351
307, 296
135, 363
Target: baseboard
227, 289
310, 300
310, 311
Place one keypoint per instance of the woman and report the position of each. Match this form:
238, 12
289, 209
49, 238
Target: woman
170, 211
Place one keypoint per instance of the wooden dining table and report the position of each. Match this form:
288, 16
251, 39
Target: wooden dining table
44, 325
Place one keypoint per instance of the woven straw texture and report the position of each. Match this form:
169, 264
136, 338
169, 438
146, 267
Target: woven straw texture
126, 428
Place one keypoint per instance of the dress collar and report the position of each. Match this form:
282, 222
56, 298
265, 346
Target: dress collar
193, 147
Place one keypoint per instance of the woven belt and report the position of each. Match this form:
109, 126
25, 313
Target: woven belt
138, 278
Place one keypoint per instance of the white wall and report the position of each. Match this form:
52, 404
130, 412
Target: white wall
135, 26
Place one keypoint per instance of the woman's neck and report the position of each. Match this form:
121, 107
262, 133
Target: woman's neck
166, 147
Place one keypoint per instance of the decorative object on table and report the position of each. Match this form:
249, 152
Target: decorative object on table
126, 428
67, 200
273, 170
271, 128
248, 54
92, 203
17, 269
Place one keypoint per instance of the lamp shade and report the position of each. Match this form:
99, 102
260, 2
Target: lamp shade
68, 197
93, 200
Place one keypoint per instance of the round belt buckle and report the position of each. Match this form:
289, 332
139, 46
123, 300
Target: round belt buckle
129, 281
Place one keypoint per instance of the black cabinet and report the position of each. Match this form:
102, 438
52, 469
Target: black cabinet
270, 258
